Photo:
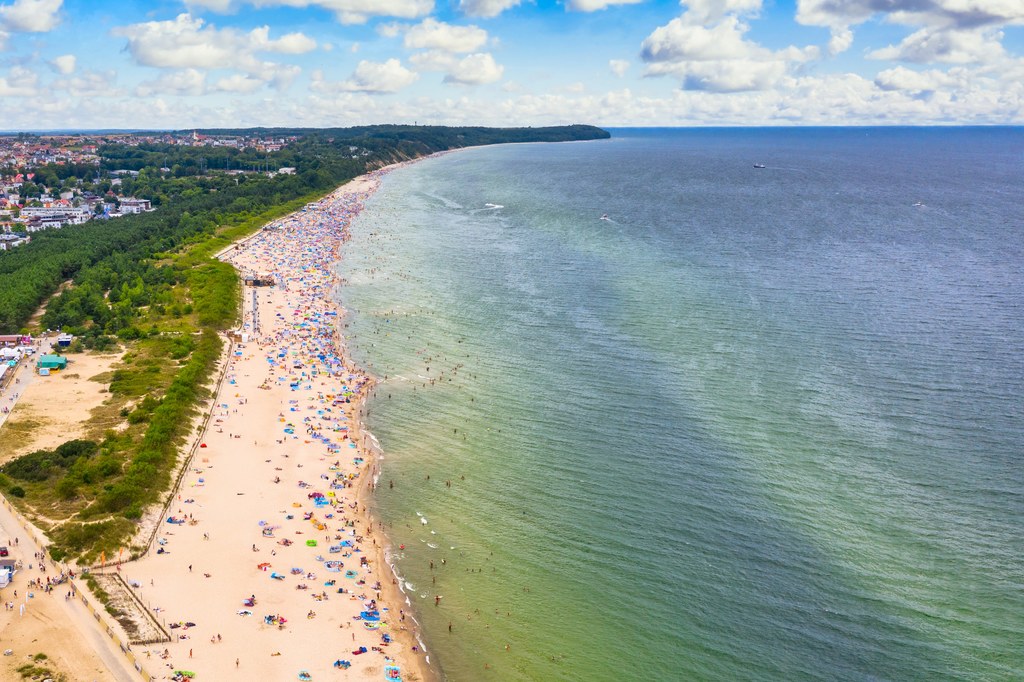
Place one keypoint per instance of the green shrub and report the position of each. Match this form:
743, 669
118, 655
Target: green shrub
73, 449
66, 488
34, 467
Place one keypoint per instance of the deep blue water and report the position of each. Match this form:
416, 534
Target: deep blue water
757, 424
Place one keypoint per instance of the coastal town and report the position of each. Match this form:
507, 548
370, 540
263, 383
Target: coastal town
51, 181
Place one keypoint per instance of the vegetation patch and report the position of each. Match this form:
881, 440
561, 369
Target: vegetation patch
39, 668
46, 464
17, 431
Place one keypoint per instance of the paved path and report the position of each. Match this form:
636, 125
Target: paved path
90, 630
21, 379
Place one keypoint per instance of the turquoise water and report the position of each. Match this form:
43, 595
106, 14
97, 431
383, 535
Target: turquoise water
757, 424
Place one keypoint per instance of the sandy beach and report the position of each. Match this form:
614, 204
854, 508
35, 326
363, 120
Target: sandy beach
265, 563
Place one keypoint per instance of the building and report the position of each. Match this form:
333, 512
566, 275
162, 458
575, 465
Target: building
12, 239
15, 340
51, 362
57, 215
133, 205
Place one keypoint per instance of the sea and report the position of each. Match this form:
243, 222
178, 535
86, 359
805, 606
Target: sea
650, 411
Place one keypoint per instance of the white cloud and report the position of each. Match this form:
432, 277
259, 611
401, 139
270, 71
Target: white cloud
475, 69
64, 64
486, 8
840, 40
705, 11
951, 47
182, 42
433, 60
238, 82
961, 14
346, 11
680, 40
290, 43
222, 6
370, 77
277, 76
717, 57
903, 79
88, 84
437, 35
184, 82
952, 64
30, 16
938, 15
390, 30
19, 82
833, 14
733, 75
186, 42
964, 95
595, 5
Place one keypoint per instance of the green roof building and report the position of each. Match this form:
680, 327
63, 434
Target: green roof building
52, 362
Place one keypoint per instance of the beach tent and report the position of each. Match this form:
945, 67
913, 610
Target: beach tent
52, 362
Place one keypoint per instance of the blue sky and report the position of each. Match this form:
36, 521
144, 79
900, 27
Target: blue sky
192, 63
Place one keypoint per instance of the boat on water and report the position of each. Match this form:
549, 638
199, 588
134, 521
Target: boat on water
604, 216
760, 165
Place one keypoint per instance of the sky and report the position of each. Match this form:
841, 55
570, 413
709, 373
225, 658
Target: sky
177, 64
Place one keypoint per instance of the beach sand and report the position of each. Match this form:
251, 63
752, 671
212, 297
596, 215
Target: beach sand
54, 409
283, 431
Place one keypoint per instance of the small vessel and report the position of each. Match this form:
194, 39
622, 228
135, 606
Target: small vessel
604, 216
760, 165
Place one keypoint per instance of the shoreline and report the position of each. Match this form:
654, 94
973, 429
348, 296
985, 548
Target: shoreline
287, 368
392, 591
